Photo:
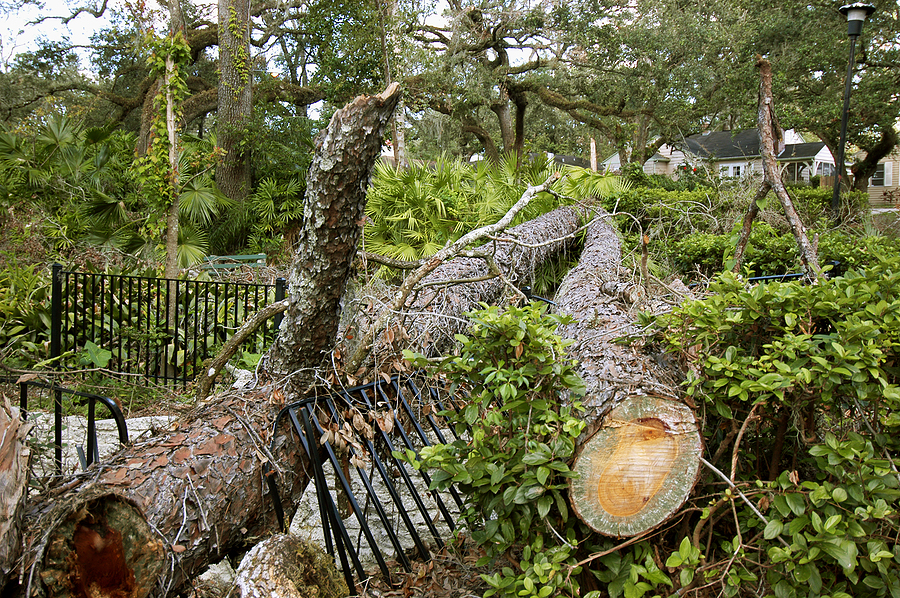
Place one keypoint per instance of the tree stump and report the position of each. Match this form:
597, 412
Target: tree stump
638, 468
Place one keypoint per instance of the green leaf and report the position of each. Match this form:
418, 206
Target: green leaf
796, 503
544, 504
773, 529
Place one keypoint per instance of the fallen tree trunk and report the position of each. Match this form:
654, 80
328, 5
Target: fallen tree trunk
430, 307
14, 467
201, 486
640, 455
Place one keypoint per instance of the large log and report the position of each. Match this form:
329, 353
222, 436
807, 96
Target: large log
433, 306
201, 486
639, 458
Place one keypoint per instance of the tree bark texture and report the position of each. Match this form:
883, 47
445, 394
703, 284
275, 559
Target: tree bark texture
639, 457
333, 217
14, 467
433, 315
200, 486
285, 566
234, 97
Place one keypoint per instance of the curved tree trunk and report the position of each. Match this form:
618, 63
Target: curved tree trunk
200, 487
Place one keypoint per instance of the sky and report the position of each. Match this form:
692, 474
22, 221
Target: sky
18, 35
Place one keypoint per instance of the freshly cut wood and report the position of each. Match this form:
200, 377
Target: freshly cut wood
285, 566
640, 459
14, 461
639, 468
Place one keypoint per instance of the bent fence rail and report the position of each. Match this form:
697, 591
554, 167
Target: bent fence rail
36, 390
159, 328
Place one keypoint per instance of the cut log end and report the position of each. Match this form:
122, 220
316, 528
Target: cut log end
638, 468
101, 546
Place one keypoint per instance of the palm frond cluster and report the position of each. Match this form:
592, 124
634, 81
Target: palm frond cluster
413, 212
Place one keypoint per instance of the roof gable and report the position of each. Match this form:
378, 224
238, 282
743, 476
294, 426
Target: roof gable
801, 151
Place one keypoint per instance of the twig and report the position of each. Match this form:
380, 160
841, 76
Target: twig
737, 443
741, 494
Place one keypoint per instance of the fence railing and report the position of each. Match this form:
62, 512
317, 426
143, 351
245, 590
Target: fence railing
35, 390
162, 329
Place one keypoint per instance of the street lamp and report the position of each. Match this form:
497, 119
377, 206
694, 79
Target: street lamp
856, 14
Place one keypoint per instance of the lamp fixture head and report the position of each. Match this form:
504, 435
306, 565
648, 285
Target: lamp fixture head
856, 14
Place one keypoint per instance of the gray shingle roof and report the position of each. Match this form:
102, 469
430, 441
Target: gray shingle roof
729, 145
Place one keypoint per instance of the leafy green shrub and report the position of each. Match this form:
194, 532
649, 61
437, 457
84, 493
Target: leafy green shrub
24, 312
514, 469
854, 251
798, 386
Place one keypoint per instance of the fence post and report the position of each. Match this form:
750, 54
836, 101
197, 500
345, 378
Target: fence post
280, 294
55, 352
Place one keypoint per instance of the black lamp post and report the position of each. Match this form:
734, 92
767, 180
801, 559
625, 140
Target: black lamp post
856, 13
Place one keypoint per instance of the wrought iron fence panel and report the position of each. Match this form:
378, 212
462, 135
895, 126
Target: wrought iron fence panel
162, 329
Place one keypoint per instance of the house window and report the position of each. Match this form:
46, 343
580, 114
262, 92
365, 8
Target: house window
878, 177
825, 169
736, 171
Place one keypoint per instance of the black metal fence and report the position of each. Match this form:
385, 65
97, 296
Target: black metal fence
160, 328
352, 437
36, 391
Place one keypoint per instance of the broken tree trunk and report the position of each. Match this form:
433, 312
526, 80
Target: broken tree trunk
14, 467
333, 212
202, 485
770, 132
639, 458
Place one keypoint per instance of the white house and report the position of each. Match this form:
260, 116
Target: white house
735, 154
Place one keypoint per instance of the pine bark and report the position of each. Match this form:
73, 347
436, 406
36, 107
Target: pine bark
333, 217
639, 457
200, 487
